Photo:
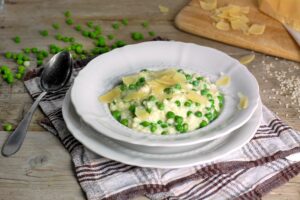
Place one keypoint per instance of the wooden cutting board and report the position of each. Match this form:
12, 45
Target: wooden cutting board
275, 41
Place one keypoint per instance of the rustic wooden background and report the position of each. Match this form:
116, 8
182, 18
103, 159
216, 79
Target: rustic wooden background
42, 168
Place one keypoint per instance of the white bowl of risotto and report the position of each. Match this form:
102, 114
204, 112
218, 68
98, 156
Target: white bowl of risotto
165, 93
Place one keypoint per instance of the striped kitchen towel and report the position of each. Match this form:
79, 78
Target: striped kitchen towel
248, 173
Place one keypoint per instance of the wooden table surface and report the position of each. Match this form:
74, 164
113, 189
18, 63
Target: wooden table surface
42, 168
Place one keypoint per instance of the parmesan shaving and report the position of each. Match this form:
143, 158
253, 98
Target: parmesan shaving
163, 9
141, 113
244, 101
208, 4
223, 81
127, 80
257, 29
110, 95
247, 59
194, 96
223, 26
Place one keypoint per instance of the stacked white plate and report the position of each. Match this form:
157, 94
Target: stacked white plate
92, 124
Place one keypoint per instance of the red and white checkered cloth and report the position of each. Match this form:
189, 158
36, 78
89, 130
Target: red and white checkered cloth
248, 173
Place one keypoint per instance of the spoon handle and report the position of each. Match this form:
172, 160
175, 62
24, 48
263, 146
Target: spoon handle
15, 139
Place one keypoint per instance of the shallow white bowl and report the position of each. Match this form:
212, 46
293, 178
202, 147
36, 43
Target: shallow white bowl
106, 70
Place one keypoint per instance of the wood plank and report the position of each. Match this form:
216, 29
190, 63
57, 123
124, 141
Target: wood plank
275, 41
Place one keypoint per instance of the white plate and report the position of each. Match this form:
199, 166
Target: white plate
103, 72
112, 149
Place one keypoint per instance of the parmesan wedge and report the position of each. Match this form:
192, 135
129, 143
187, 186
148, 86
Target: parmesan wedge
163, 9
135, 96
127, 80
223, 26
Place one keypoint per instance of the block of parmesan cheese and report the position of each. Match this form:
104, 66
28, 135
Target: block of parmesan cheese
285, 11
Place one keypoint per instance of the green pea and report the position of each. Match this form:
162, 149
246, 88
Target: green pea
20, 62
145, 24
185, 127
69, 21
8, 55
124, 122
116, 114
168, 90
137, 36
132, 108
18, 76
145, 124
115, 25
132, 87
160, 105
67, 13
120, 43
195, 83
164, 133
170, 115
178, 119
212, 102
44, 33
189, 113
197, 104
177, 102
159, 122
209, 96
9, 78
198, 114
7, 127
21, 69
123, 87
188, 103
179, 127
203, 124
55, 26
188, 77
26, 50
199, 78
177, 86
90, 24
151, 33
164, 125
149, 110
153, 128
85, 33
17, 39
110, 37
209, 116
220, 98
124, 22
204, 92
78, 28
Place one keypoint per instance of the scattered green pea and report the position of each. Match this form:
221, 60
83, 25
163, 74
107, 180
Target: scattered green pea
7, 127
34, 50
145, 24
116, 25
39, 62
151, 33
17, 39
110, 37
90, 24
18, 76
55, 26
44, 33
137, 36
179, 127
124, 21
120, 43
67, 13
8, 55
26, 50
69, 21
78, 28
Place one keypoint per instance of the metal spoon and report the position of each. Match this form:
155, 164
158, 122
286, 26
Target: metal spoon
55, 75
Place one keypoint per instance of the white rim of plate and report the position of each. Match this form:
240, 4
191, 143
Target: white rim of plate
193, 137
107, 147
